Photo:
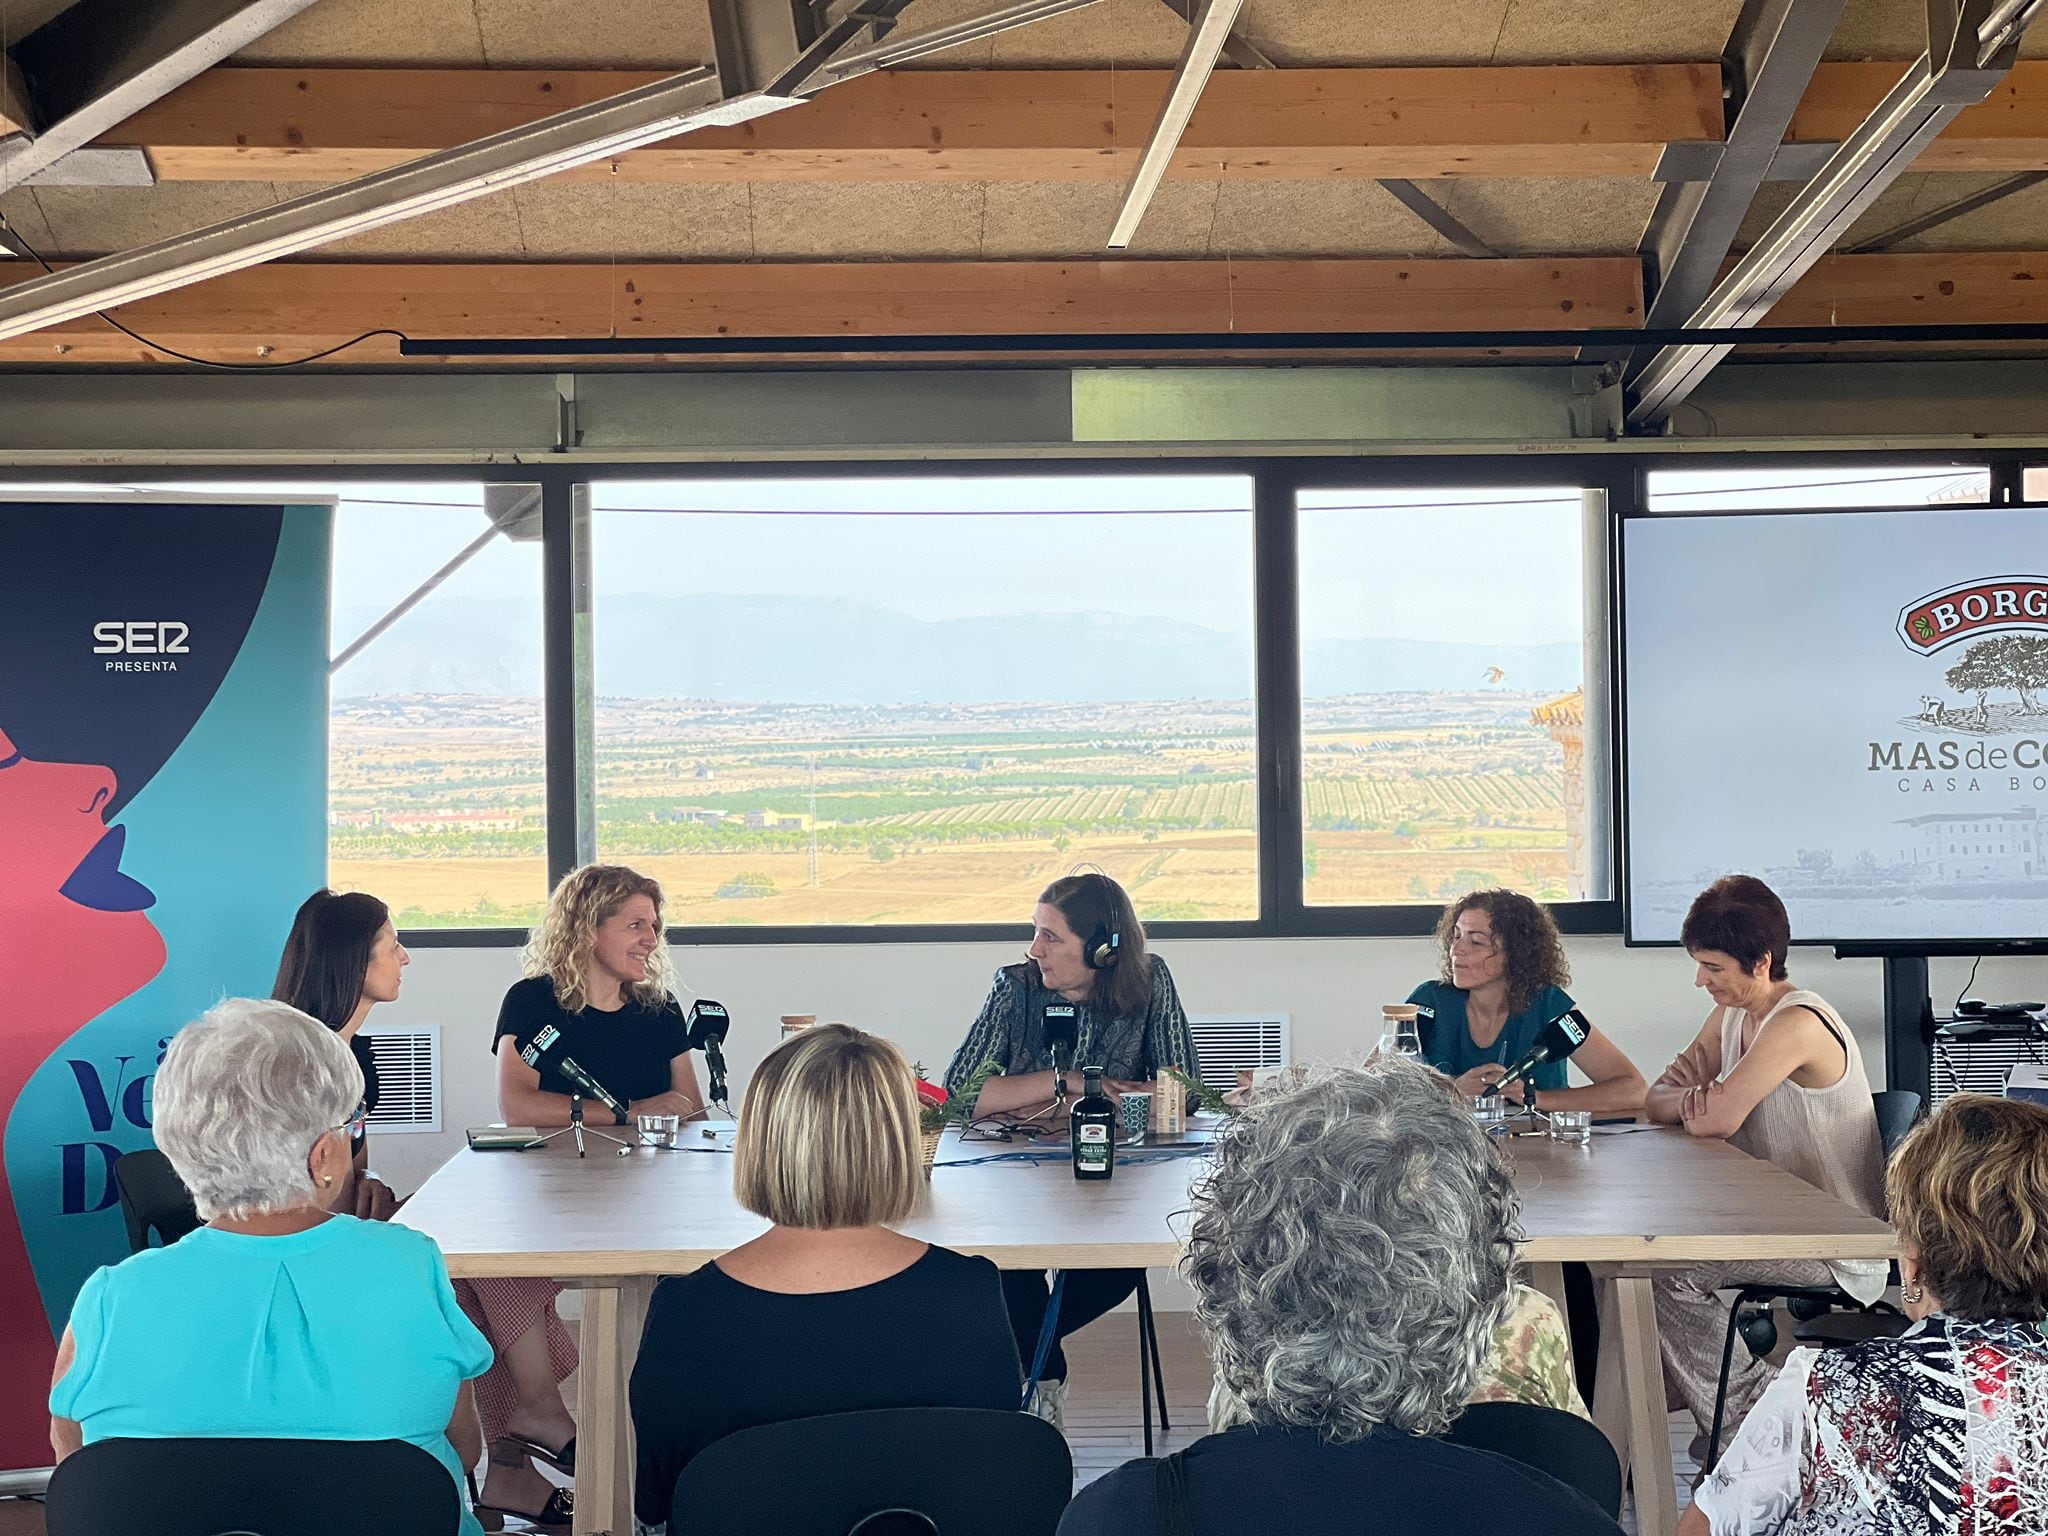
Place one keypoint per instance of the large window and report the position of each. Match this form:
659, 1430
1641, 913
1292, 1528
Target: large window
436, 795
436, 791
917, 700
1443, 672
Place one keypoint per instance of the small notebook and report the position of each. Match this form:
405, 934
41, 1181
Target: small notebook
502, 1138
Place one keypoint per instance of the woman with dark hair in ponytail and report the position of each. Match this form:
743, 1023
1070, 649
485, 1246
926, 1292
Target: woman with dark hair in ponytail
341, 960
1087, 948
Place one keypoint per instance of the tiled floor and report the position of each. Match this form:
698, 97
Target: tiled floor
1103, 1424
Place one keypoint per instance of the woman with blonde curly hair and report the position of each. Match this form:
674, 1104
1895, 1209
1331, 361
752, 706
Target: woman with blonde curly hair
1502, 980
597, 971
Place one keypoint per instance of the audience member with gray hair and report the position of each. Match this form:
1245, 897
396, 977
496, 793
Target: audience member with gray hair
337, 1329
1351, 1253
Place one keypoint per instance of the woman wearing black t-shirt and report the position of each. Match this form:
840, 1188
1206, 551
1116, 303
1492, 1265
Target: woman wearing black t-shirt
828, 1311
597, 970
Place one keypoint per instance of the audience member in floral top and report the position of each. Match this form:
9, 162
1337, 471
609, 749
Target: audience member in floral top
1943, 1432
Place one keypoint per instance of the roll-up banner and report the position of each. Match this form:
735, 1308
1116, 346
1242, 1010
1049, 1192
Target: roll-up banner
163, 795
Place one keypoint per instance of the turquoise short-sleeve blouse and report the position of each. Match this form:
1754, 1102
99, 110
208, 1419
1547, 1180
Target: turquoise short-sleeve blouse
1447, 1040
346, 1331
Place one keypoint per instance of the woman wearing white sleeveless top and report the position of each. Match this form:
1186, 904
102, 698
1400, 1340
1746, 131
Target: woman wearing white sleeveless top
1775, 1072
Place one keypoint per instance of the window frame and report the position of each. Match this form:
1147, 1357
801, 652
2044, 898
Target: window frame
1621, 471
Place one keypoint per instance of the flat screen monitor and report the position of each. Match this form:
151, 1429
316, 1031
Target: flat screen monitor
1852, 706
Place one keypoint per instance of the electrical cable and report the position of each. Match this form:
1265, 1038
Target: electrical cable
1967, 983
187, 357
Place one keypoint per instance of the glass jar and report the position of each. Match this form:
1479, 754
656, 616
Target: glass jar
1400, 1034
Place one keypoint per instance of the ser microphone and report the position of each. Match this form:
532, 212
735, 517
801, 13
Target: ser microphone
1061, 1025
544, 1053
709, 1023
1554, 1042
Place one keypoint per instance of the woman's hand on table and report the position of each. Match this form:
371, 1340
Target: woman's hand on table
374, 1200
670, 1103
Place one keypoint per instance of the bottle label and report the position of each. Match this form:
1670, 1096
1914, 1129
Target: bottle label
1094, 1133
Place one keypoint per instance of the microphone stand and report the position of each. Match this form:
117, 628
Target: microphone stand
577, 1126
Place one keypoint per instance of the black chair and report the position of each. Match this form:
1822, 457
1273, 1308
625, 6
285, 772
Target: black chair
885, 1470
1829, 1317
153, 1197
1151, 1377
1559, 1444
251, 1488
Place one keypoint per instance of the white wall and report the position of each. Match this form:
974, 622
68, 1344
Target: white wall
924, 995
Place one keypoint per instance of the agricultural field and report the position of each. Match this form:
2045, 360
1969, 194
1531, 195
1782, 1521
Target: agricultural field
766, 814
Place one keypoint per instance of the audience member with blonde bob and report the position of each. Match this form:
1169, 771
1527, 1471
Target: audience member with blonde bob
1943, 1431
278, 1318
828, 1311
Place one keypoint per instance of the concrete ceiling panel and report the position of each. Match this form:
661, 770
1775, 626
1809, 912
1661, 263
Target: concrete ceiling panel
397, 33
593, 34
93, 221
1370, 32
1544, 216
1594, 32
1047, 220
1319, 218
2015, 223
1897, 29
634, 221
25, 214
821, 221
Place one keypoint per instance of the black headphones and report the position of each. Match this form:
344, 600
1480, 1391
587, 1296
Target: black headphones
1104, 948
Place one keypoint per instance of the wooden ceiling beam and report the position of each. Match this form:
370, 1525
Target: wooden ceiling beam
266, 124
296, 308
2006, 132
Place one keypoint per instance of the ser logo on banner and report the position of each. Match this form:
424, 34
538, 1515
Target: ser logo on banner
156, 638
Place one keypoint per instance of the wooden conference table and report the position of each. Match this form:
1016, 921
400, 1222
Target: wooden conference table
613, 1225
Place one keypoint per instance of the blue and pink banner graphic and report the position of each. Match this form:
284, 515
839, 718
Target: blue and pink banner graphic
163, 790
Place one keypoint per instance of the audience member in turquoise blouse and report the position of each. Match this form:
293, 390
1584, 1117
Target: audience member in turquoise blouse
278, 1318
1503, 979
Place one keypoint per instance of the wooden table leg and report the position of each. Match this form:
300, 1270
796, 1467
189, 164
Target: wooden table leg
614, 1313
1549, 1279
1628, 1398
600, 1421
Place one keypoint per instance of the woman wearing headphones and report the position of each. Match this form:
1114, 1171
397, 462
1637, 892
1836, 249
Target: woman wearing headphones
1088, 948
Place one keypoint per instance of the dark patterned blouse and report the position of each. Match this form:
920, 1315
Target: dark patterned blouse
1011, 1029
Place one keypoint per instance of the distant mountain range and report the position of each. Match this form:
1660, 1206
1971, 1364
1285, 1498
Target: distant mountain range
833, 651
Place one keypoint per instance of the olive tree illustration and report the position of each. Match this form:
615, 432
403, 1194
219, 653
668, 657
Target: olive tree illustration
2018, 662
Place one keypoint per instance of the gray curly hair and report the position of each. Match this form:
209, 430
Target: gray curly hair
243, 1093
1352, 1252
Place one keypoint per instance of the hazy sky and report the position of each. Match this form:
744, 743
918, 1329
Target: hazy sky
1500, 566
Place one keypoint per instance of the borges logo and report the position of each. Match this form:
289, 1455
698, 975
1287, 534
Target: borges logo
1995, 605
154, 638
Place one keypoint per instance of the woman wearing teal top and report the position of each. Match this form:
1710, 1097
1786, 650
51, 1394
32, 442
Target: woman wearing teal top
1503, 979
278, 1318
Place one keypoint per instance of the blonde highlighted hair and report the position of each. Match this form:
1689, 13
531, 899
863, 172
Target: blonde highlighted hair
560, 947
1969, 1192
828, 1135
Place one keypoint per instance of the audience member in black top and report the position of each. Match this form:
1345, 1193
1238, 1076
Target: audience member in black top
1351, 1254
597, 969
828, 1311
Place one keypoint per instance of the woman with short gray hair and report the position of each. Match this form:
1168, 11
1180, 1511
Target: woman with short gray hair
1351, 1253
340, 1329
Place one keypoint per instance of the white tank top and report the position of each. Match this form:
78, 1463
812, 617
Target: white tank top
1827, 1136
